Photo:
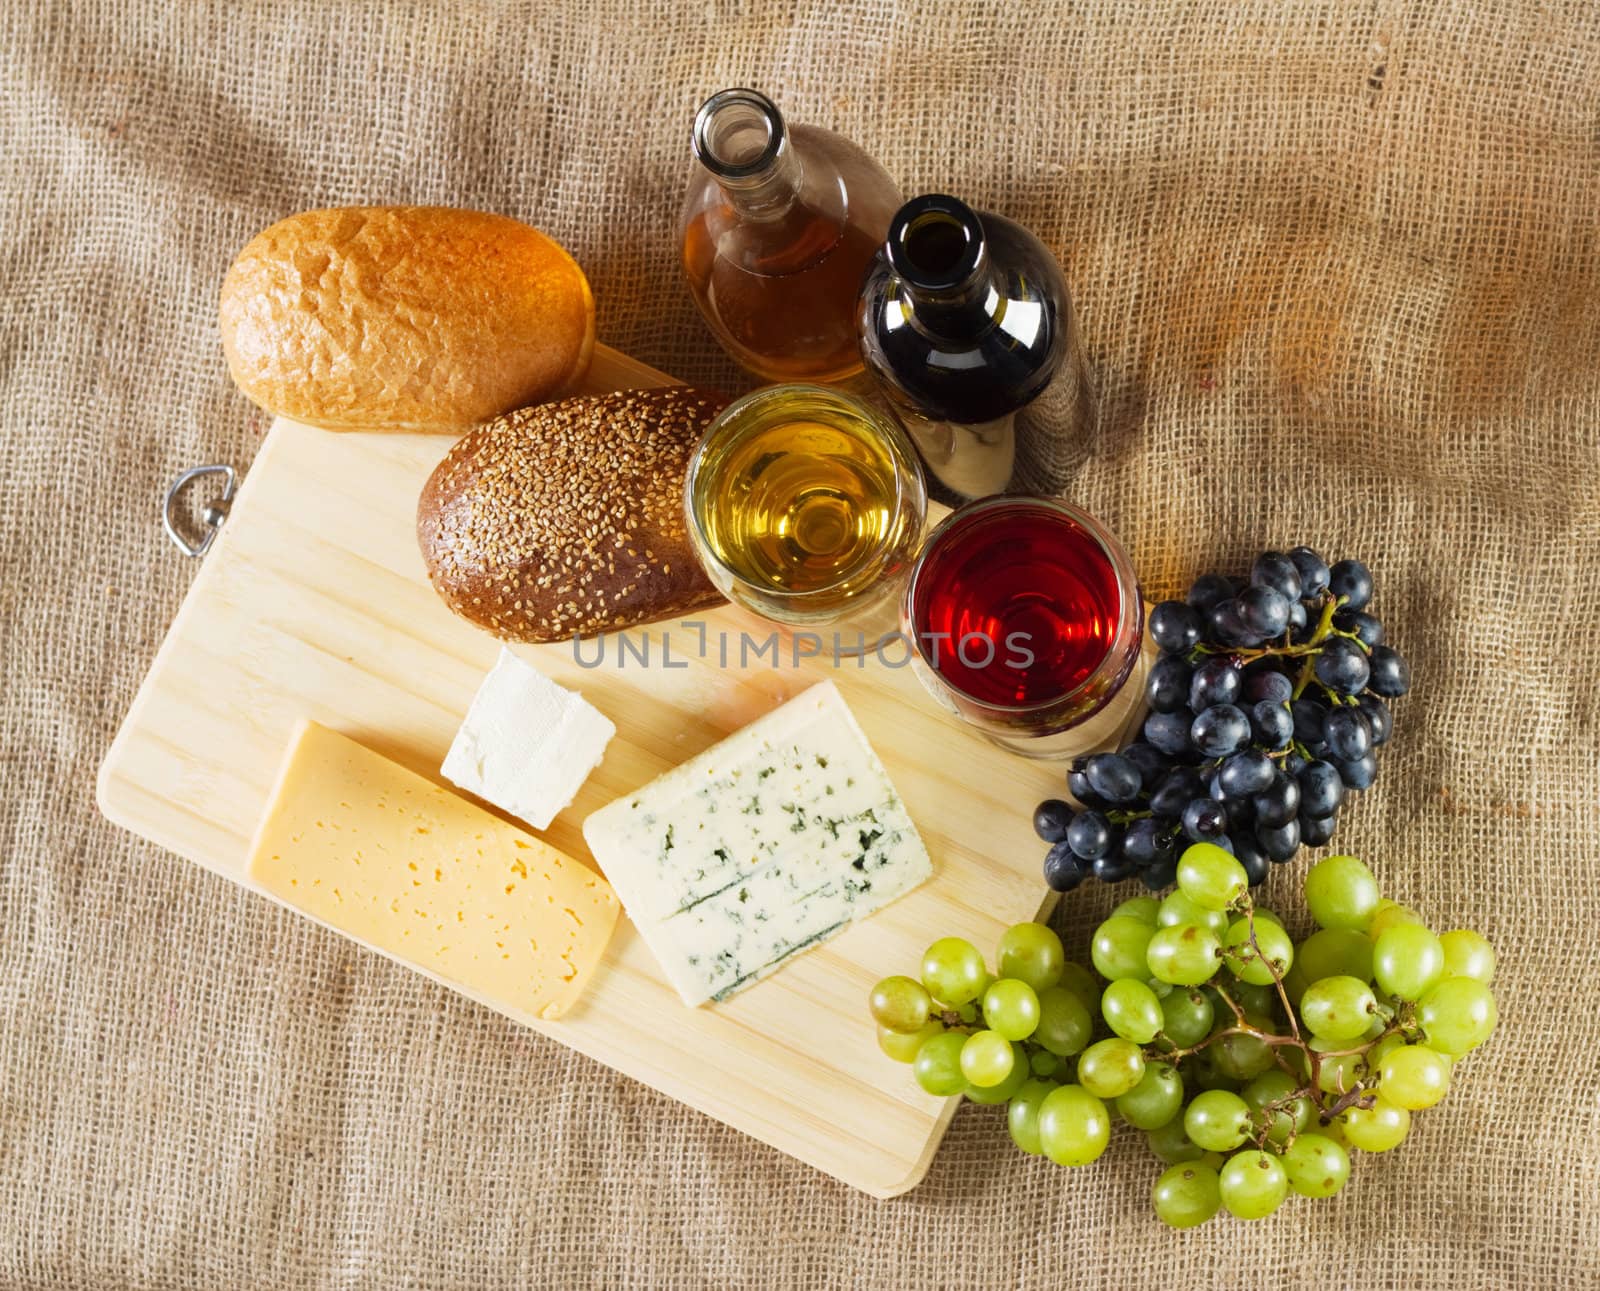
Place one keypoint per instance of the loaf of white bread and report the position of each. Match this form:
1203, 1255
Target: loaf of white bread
404, 318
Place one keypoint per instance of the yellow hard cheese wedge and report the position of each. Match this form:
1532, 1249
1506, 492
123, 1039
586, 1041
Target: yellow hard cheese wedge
391, 859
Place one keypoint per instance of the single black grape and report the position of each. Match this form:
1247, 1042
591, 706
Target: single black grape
1390, 673
1292, 763
1113, 867
1275, 570
1177, 787
1225, 843
1251, 857
1207, 590
1315, 831
1271, 723
1246, 774
1089, 835
1359, 773
1176, 626
1353, 581
1113, 777
1051, 818
1342, 667
1265, 682
1063, 871
1168, 732
1312, 569
1321, 789
1225, 626
1220, 730
1167, 686
1298, 618
1379, 718
1280, 842
1309, 715
1279, 802
1264, 611
1204, 821
1216, 681
1241, 814
1348, 734
1153, 764
1368, 630
1139, 843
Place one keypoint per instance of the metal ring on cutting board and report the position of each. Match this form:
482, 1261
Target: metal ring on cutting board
213, 516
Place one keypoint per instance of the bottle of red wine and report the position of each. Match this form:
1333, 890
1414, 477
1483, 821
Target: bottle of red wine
965, 319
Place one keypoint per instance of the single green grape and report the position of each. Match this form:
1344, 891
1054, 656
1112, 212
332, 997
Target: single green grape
1382, 1048
1276, 950
986, 1058
1260, 1000
1211, 877
1155, 1100
1335, 952
903, 1046
1413, 1076
1074, 1126
1341, 893
1065, 1026
1252, 1184
1201, 1073
1241, 1056
1022, 1114
1338, 1008
1294, 985
1110, 1068
1142, 908
1186, 1017
1177, 909
1183, 954
901, 1004
1082, 983
1011, 1008
1044, 1063
953, 971
1171, 1142
1132, 1010
1186, 1195
1406, 960
1468, 954
1031, 953
1291, 1111
1317, 1165
938, 1064
1119, 946
1377, 1128
1341, 1072
1390, 914
1457, 1015
1217, 1120
1020, 1072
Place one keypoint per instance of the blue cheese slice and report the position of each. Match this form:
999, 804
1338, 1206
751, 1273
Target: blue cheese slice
760, 847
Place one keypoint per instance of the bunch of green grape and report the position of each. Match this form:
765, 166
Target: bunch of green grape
1252, 1064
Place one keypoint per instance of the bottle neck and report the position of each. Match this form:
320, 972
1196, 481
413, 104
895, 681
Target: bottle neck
739, 136
937, 248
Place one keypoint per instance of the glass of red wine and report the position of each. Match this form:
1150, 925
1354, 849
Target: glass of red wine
1023, 617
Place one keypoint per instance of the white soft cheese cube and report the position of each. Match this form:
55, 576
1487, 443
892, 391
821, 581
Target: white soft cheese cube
526, 744
760, 847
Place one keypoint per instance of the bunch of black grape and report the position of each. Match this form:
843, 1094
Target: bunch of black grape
1266, 709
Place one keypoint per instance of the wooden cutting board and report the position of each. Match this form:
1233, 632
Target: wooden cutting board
314, 602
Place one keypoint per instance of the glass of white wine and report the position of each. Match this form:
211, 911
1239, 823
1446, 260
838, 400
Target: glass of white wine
806, 506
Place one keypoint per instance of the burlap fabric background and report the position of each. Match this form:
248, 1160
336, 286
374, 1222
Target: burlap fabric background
1337, 271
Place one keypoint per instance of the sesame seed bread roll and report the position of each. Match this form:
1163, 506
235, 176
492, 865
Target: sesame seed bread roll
565, 520
404, 318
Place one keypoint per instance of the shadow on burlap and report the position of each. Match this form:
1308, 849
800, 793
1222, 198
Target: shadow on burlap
1337, 272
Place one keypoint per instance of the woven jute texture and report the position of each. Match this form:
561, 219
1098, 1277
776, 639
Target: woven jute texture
1337, 271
